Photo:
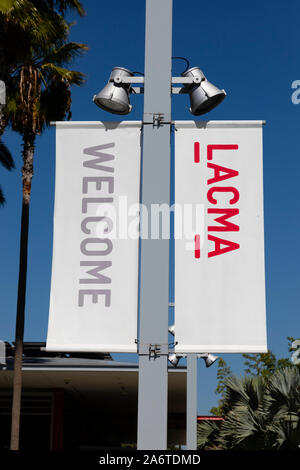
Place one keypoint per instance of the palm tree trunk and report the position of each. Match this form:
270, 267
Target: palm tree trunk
27, 173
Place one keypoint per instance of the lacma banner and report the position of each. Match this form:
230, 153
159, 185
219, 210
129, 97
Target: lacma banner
219, 260
94, 287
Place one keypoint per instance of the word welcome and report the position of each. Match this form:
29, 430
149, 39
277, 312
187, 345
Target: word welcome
96, 250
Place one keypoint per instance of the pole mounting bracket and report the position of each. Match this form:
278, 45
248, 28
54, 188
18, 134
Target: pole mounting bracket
153, 350
155, 119
158, 119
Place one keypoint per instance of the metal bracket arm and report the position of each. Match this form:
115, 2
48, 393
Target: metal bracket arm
119, 80
186, 80
141, 80
175, 80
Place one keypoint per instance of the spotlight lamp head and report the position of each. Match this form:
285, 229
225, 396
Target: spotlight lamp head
174, 359
114, 97
204, 96
171, 329
209, 359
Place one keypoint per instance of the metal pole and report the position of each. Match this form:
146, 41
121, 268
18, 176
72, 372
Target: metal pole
191, 402
154, 290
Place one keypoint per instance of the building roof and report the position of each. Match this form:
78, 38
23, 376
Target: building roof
106, 385
37, 358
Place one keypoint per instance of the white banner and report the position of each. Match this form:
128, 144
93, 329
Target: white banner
219, 258
94, 288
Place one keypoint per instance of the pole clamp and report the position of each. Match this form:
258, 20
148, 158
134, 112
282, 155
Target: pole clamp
155, 119
153, 350
158, 119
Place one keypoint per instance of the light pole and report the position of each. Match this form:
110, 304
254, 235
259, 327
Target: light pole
153, 348
191, 390
154, 293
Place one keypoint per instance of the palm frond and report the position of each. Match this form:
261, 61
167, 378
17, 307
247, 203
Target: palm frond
2, 198
39, 86
64, 5
10, 110
55, 102
284, 393
6, 5
207, 435
243, 428
6, 158
40, 22
65, 54
55, 72
235, 393
286, 434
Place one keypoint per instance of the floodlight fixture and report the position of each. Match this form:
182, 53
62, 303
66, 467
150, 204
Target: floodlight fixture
171, 329
204, 96
114, 97
174, 359
208, 358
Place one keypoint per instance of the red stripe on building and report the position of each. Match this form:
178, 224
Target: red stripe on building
210, 418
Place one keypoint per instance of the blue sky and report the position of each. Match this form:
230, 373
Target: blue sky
250, 50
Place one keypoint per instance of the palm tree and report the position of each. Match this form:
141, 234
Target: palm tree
245, 423
259, 413
38, 91
283, 405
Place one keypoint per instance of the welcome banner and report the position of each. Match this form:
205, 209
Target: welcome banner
94, 287
219, 257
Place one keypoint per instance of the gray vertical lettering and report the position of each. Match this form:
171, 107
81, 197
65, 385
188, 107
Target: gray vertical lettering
94, 294
87, 220
106, 251
98, 180
101, 157
94, 200
98, 277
